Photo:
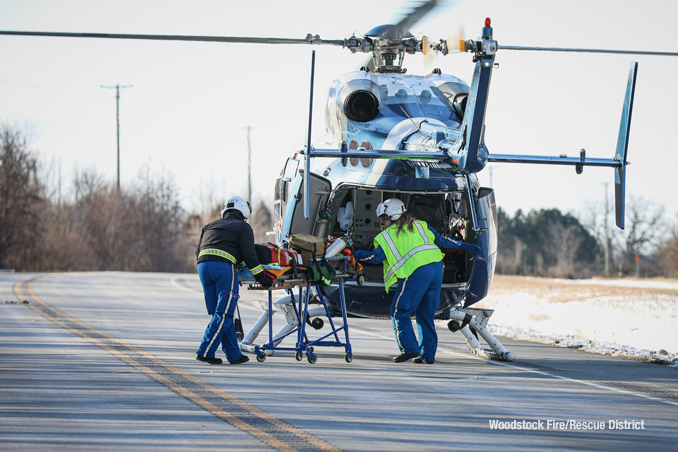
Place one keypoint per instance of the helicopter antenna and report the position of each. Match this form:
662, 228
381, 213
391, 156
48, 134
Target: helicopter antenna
415, 124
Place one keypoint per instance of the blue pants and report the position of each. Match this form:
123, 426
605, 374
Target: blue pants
220, 284
419, 293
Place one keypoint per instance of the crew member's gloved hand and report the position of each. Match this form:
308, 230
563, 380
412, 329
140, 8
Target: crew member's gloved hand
473, 249
363, 256
265, 278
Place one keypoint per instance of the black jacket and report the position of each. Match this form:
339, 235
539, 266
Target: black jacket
233, 237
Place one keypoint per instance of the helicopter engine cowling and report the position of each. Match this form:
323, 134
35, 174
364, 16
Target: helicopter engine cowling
353, 97
361, 105
379, 111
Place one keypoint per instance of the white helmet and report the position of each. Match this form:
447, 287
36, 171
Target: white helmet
239, 204
393, 208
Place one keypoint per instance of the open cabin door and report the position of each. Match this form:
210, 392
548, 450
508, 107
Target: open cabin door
320, 189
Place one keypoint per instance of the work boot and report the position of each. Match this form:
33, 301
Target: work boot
405, 357
421, 361
242, 359
208, 359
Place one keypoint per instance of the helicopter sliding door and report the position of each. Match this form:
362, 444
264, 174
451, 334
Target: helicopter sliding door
320, 191
483, 271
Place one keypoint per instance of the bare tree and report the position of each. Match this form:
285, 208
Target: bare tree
86, 183
512, 260
562, 244
137, 229
21, 202
668, 254
113, 228
210, 201
262, 222
645, 228
593, 218
162, 245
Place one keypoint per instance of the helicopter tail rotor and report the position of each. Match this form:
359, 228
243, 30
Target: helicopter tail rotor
456, 40
429, 53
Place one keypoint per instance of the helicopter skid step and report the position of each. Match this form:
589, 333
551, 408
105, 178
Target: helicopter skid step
478, 318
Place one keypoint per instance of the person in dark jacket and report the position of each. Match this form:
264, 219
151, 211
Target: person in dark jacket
224, 244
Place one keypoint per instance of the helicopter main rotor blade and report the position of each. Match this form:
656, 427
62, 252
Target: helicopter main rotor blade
415, 16
561, 49
233, 39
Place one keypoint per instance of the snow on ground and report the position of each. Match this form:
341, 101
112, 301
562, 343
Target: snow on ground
637, 326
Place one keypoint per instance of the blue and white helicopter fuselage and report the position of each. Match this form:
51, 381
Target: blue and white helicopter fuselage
395, 112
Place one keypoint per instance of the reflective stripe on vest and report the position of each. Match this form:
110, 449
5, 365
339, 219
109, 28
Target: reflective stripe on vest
216, 252
256, 270
426, 253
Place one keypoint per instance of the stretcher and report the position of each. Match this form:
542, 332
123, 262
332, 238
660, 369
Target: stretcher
298, 312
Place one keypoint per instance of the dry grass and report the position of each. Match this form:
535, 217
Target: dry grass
563, 290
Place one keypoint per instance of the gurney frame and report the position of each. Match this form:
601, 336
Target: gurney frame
298, 313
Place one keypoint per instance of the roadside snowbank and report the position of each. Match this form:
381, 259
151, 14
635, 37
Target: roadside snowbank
620, 325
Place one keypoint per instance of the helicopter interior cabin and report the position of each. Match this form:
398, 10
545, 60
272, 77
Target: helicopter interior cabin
354, 209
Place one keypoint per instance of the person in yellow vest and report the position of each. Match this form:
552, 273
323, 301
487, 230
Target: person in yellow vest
410, 250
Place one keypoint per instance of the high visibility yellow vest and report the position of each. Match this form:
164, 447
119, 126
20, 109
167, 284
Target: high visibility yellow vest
407, 252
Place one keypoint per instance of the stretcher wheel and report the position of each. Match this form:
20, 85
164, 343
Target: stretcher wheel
360, 280
298, 356
348, 357
311, 357
261, 357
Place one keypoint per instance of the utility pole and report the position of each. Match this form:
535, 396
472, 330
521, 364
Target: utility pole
607, 236
117, 88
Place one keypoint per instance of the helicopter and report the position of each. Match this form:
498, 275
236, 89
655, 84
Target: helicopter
416, 138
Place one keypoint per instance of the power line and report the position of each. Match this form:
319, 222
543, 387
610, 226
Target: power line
117, 88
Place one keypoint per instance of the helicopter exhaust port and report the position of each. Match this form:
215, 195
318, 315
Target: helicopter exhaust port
361, 106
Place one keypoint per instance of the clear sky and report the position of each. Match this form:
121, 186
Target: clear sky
190, 102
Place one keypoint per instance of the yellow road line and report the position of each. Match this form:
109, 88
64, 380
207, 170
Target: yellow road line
265, 437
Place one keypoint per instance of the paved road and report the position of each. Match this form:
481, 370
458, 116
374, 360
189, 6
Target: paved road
105, 361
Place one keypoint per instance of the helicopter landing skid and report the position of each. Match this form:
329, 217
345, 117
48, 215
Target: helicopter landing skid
478, 318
